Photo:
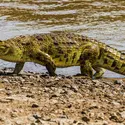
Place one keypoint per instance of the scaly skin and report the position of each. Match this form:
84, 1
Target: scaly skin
62, 49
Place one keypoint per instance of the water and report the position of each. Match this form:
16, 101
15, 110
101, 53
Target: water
103, 20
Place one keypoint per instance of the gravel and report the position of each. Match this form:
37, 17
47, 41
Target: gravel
38, 99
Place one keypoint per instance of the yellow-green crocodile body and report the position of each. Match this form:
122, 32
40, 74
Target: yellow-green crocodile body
62, 49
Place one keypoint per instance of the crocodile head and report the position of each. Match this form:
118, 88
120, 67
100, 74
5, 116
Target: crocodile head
10, 52
5, 49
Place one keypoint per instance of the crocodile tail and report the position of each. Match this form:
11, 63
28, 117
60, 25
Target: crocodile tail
112, 59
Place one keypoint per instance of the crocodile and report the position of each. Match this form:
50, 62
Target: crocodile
62, 49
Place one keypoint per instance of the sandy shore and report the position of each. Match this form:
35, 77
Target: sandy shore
36, 99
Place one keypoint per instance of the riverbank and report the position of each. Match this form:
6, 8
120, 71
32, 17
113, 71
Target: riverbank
36, 99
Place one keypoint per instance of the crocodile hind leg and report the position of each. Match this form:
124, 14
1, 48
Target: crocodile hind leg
18, 68
99, 72
44, 59
88, 58
86, 68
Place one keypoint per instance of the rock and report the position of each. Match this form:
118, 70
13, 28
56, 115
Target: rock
74, 88
2, 118
36, 116
8, 122
94, 106
35, 105
5, 80
122, 114
21, 79
119, 81
113, 117
124, 94
63, 116
19, 122
69, 105
85, 119
69, 77
33, 124
115, 103
32, 77
9, 92
97, 82
13, 114
30, 96
58, 78
5, 100
31, 118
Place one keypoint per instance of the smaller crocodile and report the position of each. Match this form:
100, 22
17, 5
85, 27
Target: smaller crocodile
63, 49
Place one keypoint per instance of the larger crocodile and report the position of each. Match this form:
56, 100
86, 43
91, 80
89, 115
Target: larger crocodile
62, 49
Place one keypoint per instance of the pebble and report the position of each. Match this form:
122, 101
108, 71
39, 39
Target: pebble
124, 94
30, 96
85, 119
36, 116
32, 77
123, 114
115, 103
94, 106
33, 124
19, 122
35, 105
69, 77
113, 117
119, 81
96, 82
21, 79
31, 118
13, 114
2, 118
9, 92
5, 100
5, 80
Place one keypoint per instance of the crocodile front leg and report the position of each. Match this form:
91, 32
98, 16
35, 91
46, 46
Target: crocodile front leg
46, 60
51, 69
86, 68
18, 68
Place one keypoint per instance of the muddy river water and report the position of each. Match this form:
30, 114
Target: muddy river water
100, 19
